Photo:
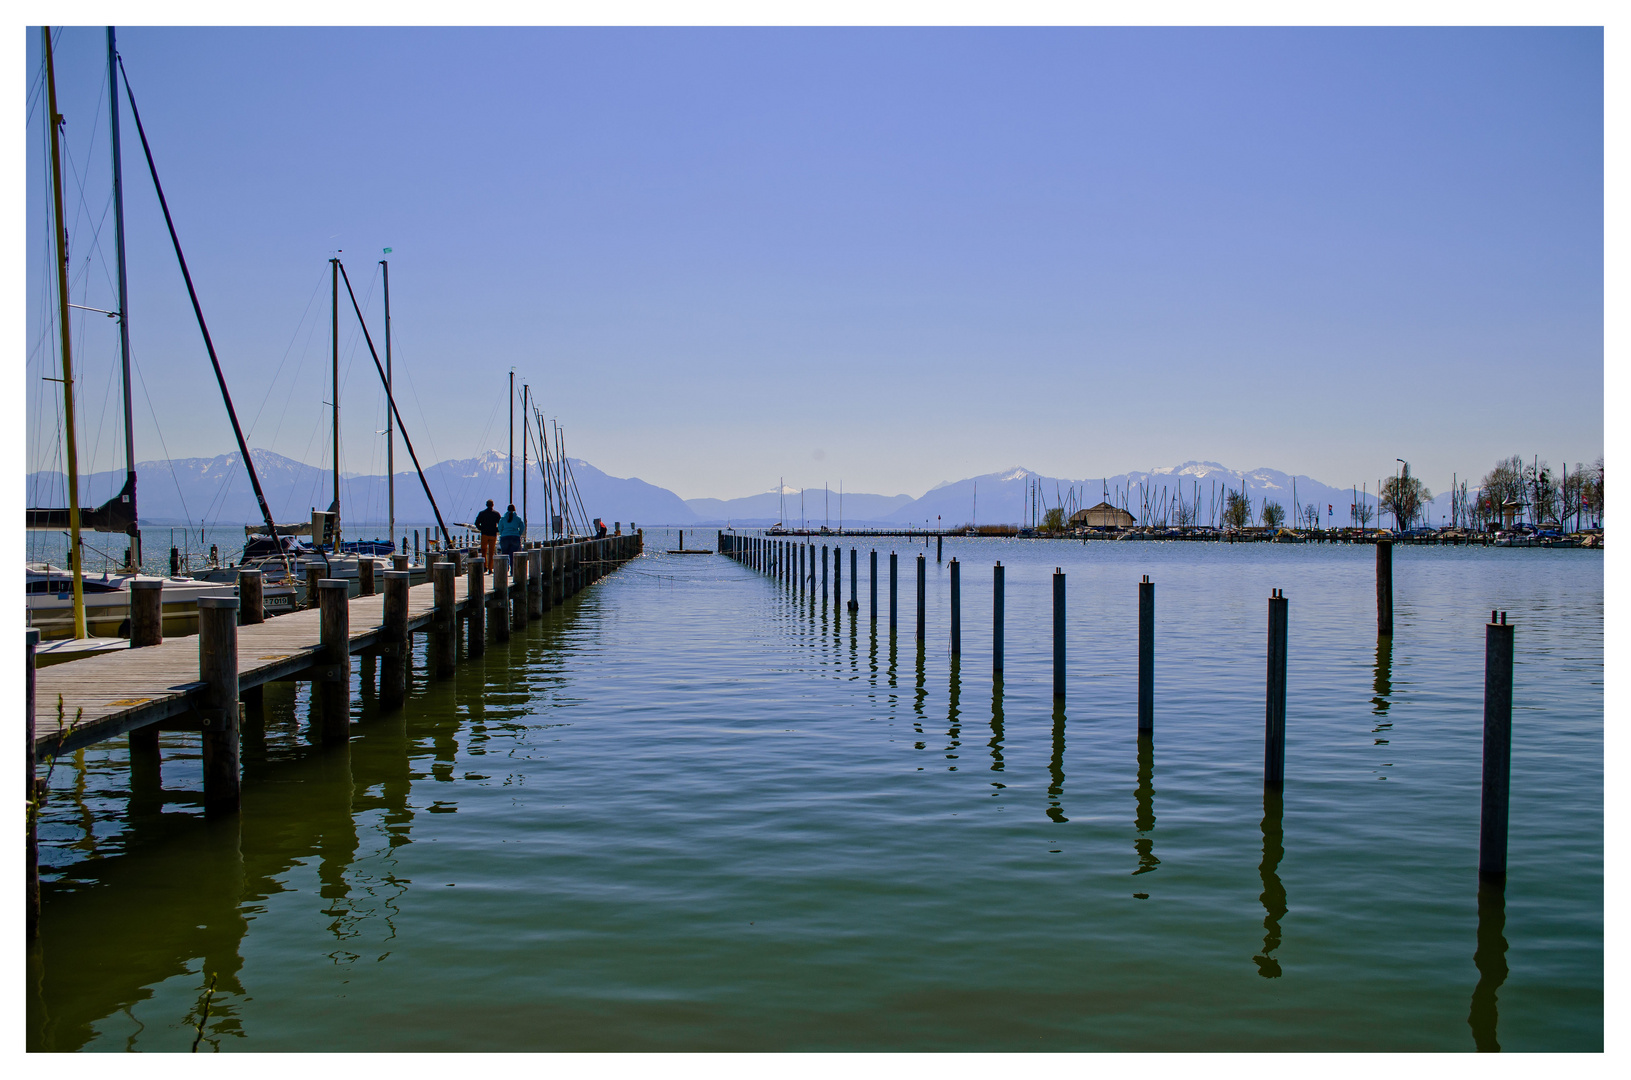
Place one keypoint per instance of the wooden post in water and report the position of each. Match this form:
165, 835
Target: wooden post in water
939, 545
332, 684
894, 591
444, 636
365, 576
501, 598
837, 576
399, 562
393, 649
1274, 713
1058, 634
922, 600
314, 574
31, 641
218, 704
520, 564
535, 583
956, 608
475, 608
997, 598
823, 575
146, 613
854, 556
1146, 656
872, 580
1492, 824
251, 612
1384, 588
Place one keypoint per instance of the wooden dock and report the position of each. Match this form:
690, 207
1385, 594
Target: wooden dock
103, 697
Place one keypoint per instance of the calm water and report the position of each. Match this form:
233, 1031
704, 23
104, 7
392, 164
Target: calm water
691, 811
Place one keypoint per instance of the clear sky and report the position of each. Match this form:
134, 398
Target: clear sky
887, 257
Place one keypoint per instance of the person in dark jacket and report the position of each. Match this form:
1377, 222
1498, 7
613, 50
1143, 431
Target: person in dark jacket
510, 531
487, 524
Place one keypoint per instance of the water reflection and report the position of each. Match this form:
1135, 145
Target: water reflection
1056, 765
996, 730
1274, 893
954, 732
1144, 819
1382, 681
1490, 959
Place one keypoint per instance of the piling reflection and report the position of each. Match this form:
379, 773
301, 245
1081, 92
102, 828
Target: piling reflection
954, 730
1382, 680
1490, 959
996, 730
1274, 893
1144, 818
1056, 765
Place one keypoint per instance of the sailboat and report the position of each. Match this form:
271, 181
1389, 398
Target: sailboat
86, 616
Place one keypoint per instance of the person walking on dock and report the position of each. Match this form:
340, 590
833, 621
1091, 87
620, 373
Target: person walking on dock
487, 524
510, 531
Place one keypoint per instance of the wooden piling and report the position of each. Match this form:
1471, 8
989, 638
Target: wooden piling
854, 556
837, 576
393, 650
1492, 825
922, 600
872, 584
1384, 588
365, 576
1058, 633
956, 608
251, 597
894, 591
500, 600
475, 610
399, 562
939, 547
146, 613
997, 600
444, 638
823, 575
331, 685
535, 583
1146, 656
520, 568
218, 703
314, 574
1274, 713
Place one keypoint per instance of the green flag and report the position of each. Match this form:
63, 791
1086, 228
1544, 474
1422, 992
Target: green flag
387, 251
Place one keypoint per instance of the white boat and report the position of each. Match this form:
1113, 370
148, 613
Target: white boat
50, 602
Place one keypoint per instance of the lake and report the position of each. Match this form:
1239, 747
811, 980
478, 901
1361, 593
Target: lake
692, 810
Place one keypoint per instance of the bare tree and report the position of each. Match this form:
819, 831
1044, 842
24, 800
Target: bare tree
1541, 488
1405, 497
1500, 486
1362, 512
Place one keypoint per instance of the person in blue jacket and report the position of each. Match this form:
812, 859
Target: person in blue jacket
510, 531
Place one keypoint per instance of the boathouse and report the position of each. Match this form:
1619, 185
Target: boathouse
1102, 516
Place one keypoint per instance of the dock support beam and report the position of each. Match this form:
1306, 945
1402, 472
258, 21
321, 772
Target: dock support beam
218, 704
501, 598
894, 593
1274, 713
444, 638
251, 612
393, 669
1492, 825
872, 580
1384, 588
922, 600
1058, 634
146, 628
1146, 656
997, 600
519, 564
956, 608
332, 685
365, 575
535, 583
475, 608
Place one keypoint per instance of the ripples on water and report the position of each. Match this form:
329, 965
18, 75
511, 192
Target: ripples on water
691, 810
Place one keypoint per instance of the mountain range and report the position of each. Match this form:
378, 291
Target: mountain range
217, 491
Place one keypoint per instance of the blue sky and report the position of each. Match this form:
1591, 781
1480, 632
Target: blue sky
887, 257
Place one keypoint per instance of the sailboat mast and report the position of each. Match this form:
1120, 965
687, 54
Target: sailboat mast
54, 121
134, 528
526, 429
509, 462
390, 431
334, 267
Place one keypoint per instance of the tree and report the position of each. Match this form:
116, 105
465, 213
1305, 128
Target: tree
1405, 497
1362, 512
1274, 515
1501, 485
1237, 510
1054, 520
1541, 488
1311, 514
1596, 492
